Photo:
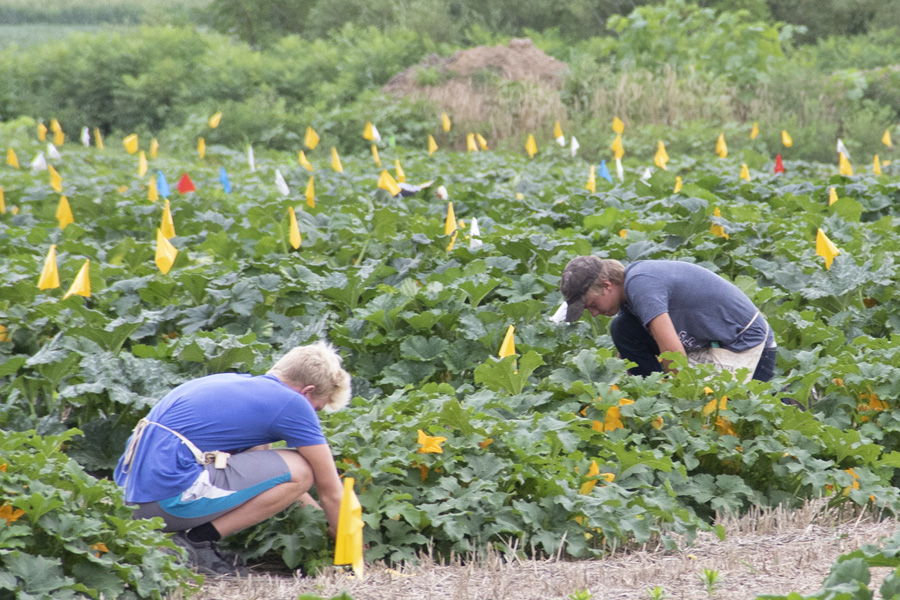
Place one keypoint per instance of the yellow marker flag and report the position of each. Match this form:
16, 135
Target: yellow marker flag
311, 192
470, 143
432, 145
49, 274
42, 132
54, 126
886, 139
59, 138
154, 148
754, 133
55, 179
375, 155
591, 185
294, 229
11, 158
311, 139
348, 543
336, 161
530, 146
131, 143
401, 176
557, 131
304, 162
677, 184
98, 139
661, 157
215, 120
387, 182
369, 132
844, 165
721, 147
167, 225
718, 230
152, 191
450, 223
786, 139
617, 147
445, 122
82, 284
165, 252
618, 126
508, 347
2, 202
825, 248
876, 166
201, 147
745, 172
64, 213
832, 196
142, 164
482, 143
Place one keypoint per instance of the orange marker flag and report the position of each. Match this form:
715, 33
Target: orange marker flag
49, 274
152, 191
142, 164
482, 143
131, 143
167, 225
64, 213
55, 179
215, 120
876, 166
591, 185
311, 192
387, 182
348, 544
470, 143
832, 196
98, 139
294, 229
721, 147
375, 156
42, 132
530, 146
336, 161
445, 122
304, 162
401, 176
165, 252
201, 148
508, 347
618, 126
754, 133
11, 158
825, 248
786, 139
82, 284
432, 145
311, 139
154, 148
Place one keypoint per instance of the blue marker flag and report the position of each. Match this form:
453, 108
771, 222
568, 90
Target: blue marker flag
162, 186
223, 177
604, 171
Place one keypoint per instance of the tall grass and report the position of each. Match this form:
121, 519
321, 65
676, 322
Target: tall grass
93, 12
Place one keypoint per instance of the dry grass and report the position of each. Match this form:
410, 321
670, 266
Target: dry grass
774, 551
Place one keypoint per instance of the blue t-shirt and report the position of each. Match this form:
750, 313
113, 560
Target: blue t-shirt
704, 307
230, 412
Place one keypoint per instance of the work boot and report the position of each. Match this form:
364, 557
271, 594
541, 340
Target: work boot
204, 558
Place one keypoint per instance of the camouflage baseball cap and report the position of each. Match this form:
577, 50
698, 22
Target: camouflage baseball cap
577, 277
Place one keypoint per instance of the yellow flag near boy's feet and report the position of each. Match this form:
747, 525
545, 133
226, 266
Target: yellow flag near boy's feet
826, 248
348, 542
82, 284
165, 252
49, 274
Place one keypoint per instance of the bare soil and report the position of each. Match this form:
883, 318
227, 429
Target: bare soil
771, 552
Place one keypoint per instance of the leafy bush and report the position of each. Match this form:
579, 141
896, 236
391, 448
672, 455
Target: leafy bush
68, 535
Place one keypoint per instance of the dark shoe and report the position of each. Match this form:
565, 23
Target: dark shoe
204, 558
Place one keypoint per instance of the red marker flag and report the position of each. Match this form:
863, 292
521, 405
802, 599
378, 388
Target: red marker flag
779, 166
185, 185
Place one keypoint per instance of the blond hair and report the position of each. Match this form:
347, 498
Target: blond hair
612, 271
317, 364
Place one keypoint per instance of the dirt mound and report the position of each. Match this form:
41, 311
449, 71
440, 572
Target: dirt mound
473, 87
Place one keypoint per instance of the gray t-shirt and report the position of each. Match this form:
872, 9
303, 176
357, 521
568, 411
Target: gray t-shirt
704, 307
